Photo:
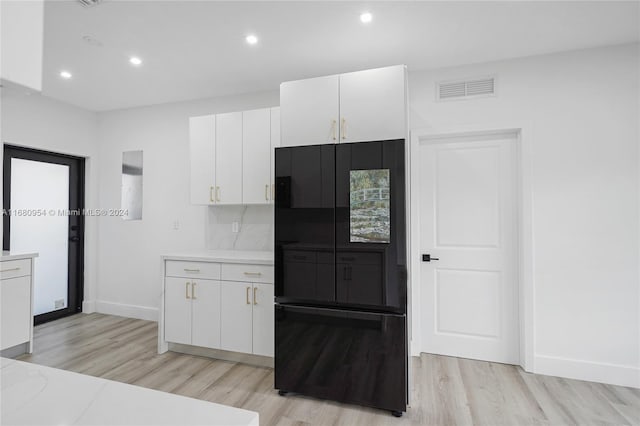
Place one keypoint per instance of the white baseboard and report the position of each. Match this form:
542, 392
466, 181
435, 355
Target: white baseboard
614, 374
129, 311
88, 306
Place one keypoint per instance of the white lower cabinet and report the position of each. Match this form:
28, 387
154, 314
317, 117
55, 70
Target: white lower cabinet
16, 291
15, 309
263, 319
235, 320
192, 312
235, 313
247, 318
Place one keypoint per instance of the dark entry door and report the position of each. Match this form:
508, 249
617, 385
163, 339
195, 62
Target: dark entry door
43, 200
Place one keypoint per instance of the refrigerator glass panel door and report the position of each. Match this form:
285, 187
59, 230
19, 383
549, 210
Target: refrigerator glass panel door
346, 356
305, 224
371, 269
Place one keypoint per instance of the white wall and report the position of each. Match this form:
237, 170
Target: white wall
583, 111
129, 261
31, 120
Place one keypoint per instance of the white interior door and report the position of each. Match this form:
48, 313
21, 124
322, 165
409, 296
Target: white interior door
468, 222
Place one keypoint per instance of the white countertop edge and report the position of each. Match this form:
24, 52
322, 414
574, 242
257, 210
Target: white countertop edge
8, 255
225, 256
36, 394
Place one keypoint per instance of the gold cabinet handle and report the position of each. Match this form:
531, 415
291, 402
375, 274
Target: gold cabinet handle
343, 128
192, 271
248, 290
333, 129
213, 200
217, 193
186, 290
193, 291
255, 290
253, 274
266, 192
11, 269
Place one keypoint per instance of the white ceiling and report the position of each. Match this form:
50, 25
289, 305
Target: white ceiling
196, 49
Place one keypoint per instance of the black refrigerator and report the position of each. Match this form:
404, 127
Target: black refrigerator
341, 273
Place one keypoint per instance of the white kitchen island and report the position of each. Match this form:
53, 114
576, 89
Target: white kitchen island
33, 394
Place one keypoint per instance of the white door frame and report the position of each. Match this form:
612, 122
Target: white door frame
524, 220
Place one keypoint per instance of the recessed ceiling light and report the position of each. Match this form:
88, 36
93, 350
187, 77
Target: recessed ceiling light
251, 39
366, 17
65, 74
134, 60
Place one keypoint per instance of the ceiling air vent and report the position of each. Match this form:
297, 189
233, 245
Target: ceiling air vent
89, 3
467, 89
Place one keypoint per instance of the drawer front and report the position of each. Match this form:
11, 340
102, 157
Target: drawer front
247, 273
360, 258
299, 256
15, 311
184, 269
15, 268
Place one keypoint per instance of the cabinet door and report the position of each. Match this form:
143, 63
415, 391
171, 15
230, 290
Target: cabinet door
177, 310
205, 303
373, 105
202, 134
309, 111
256, 156
229, 158
263, 321
15, 311
235, 319
275, 143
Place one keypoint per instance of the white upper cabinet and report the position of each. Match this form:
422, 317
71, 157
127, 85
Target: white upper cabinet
275, 143
232, 157
202, 136
309, 111
354, 107
228, 158
373, 105
256, 152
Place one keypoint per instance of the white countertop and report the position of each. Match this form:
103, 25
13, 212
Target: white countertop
37, 395
226, 256
12, 255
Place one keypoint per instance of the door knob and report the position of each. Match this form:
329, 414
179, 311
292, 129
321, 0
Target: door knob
428, 258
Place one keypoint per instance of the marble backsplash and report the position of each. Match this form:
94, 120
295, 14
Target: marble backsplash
255, 227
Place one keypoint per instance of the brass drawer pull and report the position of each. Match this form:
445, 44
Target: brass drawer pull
255, 290
253, 274
193, 291
248, 290
186, 290
192, 271
217, 193
211, 195
10, 270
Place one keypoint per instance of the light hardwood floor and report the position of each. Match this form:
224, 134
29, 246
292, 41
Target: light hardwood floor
446, 390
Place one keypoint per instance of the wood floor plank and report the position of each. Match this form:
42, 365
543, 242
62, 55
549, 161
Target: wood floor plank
445, 390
